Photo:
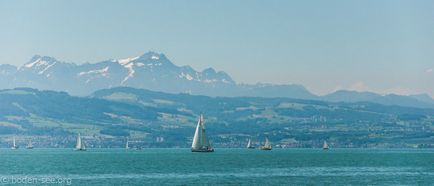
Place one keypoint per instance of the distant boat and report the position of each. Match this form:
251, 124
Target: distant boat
325, 146
80, 145
200, 140
159, 139
267, 145
127, 145
14, 145
30, 145
250, 145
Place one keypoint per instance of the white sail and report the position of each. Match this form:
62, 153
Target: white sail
325, 145
196, 138
14, 145
250, 144
127, 145
29, 145
267, 143
200, 140
78, 145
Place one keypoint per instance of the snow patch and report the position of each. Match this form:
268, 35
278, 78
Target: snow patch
130, 72
225, 81
125, 61
103, 72
37, 62
210, 80
154, 64
30, 65
140, 64
46, 68
186, 76
155, 57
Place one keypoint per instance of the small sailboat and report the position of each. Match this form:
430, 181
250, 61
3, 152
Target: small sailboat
14, 145
80, 145
127, 145
250, 145
30, 145
325, 146
267, 145
200, 140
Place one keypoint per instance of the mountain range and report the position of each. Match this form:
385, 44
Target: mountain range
419, 100
156, 72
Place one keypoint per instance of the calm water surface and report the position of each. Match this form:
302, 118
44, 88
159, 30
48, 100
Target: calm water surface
223, 167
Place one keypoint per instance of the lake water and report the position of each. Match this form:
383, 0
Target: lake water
223, 167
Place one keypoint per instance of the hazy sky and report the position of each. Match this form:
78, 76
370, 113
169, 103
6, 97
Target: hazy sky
382, 46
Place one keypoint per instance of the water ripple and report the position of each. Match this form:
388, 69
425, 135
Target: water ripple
257, 173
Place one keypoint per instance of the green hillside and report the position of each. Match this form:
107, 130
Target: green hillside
107, 117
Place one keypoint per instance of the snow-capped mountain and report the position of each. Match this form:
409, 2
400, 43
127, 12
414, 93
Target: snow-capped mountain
151, 71
156, 72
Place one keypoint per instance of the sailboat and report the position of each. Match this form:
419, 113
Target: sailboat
30, 145
14, 145
325, 146
200, 140
127, 145
267, 145
250, 145
80, 145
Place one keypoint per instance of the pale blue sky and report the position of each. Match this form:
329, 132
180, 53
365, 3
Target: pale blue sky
382, 46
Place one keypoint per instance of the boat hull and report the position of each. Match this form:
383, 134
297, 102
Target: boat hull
266, 148
202, 150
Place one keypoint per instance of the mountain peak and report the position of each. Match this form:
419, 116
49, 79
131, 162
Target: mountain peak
40, 63
149, 57
209, 70
125, 61
210, 75
152, 55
